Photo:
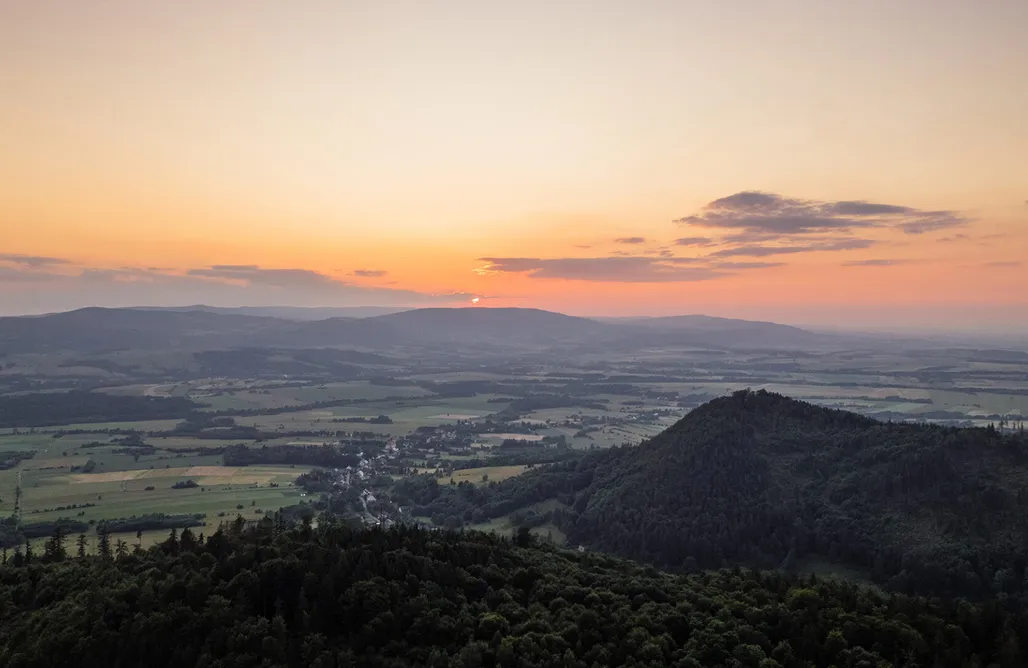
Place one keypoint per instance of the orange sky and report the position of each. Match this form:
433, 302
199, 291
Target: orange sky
404, 152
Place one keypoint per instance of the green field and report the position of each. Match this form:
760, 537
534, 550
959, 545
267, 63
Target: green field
257, 398
406, 414
48, 494
116, 486
486, 474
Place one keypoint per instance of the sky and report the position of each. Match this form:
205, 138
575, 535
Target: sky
807, 161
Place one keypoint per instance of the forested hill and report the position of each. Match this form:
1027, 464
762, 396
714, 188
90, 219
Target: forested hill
334, 597
762, 480
758, 478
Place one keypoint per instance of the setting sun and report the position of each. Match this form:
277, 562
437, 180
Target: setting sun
357, 153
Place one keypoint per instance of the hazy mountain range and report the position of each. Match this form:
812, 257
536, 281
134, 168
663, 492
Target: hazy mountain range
101, 329
192, 328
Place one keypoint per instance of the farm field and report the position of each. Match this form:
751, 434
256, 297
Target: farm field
248, 399
486, 474
406, 415
443, 415
48, 494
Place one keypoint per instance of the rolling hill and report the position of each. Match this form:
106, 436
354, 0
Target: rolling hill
755, 476
104, 329
92, 330
286, 312
728, 332
758, 479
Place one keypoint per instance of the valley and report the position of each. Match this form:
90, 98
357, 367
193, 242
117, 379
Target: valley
150, 431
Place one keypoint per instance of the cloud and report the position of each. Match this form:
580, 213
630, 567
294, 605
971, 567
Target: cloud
370, 273
877, 263
685, 260
254, 275
861, 208
694, 241
235, 267
24, 290
126, 275
748, 265
955, 237
771, 214
32, 261
1003, 263
932, 221
632, 269
630, 240
759, 250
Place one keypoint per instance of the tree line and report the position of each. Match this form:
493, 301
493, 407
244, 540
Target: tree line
333, 596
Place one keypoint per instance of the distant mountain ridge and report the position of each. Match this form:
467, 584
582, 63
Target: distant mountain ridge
104, 329
285, 312
729, 331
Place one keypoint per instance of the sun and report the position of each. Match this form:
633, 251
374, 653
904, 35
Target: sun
475, 300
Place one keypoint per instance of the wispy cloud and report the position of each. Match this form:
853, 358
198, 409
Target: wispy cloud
630, 240
747, 265
1003, 264
31, 261
772, 214
25, 288
621, 269
760, 250
954, 238
370, 273
632, 269
877, 262
694, 241
274, 278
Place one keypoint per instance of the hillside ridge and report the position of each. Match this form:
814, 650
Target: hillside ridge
759, 479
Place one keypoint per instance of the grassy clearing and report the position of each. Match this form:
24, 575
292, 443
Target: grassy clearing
550, 532
493, 474
503, 527
500, 525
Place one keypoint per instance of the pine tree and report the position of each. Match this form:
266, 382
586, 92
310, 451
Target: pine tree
55, 546
171, 544
82, 546
105, 543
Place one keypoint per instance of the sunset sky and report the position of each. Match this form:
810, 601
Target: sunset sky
805, 161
